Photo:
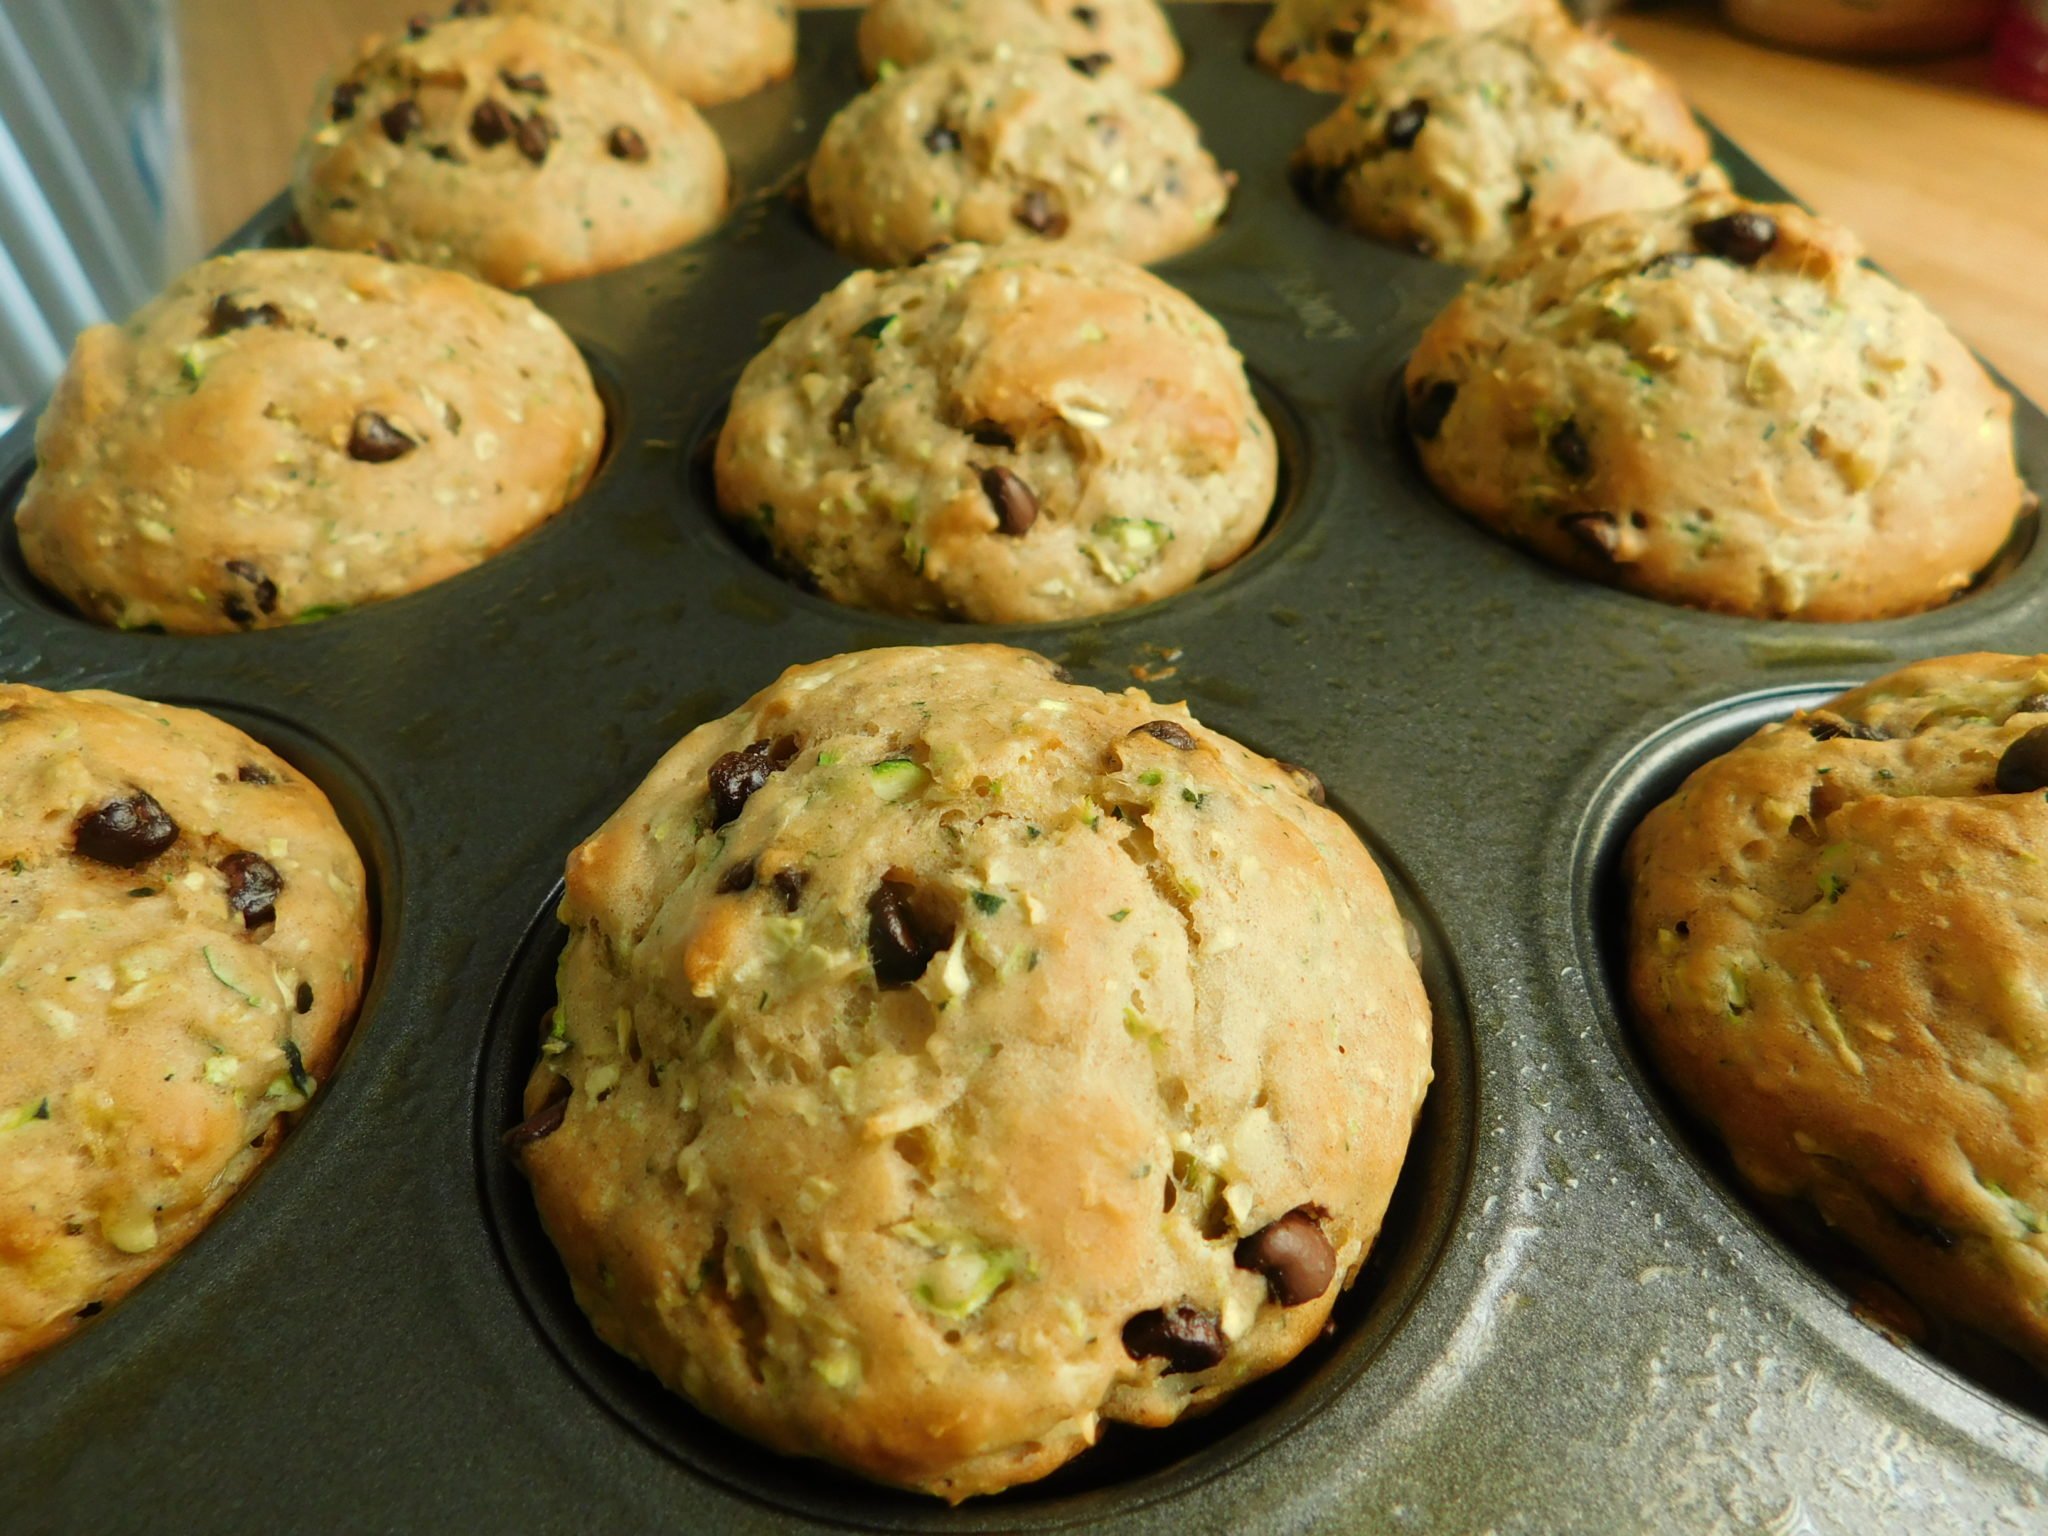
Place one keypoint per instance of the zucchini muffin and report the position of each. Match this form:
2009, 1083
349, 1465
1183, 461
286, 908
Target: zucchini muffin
507, 148
951, 1059
1838, 943
284, 434
1467, 144
1331, 45
1718, 404
706, 51
999, 435
1131, 38
185, 928
1007, 146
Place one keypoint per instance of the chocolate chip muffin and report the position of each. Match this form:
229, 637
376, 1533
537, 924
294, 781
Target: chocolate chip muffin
1837, 940
185, 929
1004, 146
951, 1059
285, 434
506, 148
1131, 38
1000, 435
1466, 144
706, 51
1717, 404
1330, 45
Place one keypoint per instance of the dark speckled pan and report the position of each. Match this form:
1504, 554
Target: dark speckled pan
1572, 1323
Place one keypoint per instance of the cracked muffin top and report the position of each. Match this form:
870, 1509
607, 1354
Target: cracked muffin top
507, 148
184, 927
1331, 45
1001, 435
1468, 143
284, 434
1838, 954
1718, 404
1131, 38
951, 1058
1006, 146
706, 51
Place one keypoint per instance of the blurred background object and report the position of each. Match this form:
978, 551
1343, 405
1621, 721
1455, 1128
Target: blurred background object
1868, 26
2021, 52
94, 204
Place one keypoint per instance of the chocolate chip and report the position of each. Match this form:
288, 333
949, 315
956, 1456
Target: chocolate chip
253, 888
1294, 1256
1342, 41
1404, 124
626, 144
534, 135
992, 434
1037, 212
1426, 412
492, 123
1744, 238
740, 877
1598, 532
528, 84
1184, 1336
543, 1122
250, 773
2032, 704
2024, 767
1829, 727
1310, 781
262, 592
302, 1000
226, 315
942, 140
1931, 1232
1568, 450
1087, 16
842, 419
374, 440
417, 27
900, 944
402, 121
736, 776
91, 1309
1092, 64
1172, 732
789, 885
1522, 200
1016, 508
342, 106
125, 833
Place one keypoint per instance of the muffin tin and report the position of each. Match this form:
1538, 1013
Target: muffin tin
1572, 1322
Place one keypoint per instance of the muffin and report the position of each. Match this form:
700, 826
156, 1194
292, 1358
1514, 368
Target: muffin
1717, 404
186, 928
951, 1059
1007, 146
1470, 143
1330, 45
506, 148
1836, 952
1131, 38
999, 435
281, 435
705, 51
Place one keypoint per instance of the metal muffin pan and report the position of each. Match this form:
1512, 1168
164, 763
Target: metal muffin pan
1572, 1322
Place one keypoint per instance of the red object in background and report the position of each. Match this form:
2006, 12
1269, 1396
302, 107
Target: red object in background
2019, 60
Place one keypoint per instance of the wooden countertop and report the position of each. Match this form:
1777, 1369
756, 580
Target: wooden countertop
1942, 178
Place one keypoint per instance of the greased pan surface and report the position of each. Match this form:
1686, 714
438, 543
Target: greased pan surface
1572, 1324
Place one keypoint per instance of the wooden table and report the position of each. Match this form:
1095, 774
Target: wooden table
1943, 179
